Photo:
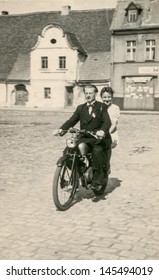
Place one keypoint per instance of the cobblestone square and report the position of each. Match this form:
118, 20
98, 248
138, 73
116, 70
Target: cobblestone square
122, 224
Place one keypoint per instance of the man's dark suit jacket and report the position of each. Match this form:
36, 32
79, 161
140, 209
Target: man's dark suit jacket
98, 120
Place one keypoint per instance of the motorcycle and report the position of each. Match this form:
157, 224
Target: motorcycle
72, 171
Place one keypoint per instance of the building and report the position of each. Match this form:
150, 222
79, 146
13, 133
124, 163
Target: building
135, 54
47, 57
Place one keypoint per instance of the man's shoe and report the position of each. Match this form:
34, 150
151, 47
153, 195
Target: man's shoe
96, 187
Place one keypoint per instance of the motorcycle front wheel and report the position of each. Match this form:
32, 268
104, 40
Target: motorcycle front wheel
65, 183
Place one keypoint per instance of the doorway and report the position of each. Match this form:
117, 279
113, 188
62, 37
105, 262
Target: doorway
21, 95
69, 95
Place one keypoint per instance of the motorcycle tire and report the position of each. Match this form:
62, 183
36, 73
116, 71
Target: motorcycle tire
65, 183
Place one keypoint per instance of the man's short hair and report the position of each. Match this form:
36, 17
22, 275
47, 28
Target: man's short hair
90, 86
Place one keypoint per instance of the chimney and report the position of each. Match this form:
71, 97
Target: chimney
65, 10
5, 13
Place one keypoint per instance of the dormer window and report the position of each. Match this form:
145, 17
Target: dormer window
132, 12
132, 15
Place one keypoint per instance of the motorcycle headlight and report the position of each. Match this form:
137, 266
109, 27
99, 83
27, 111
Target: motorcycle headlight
71, 143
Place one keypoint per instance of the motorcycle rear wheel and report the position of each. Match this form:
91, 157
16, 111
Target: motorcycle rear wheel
65, 183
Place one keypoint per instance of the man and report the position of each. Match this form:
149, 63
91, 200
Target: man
93, 116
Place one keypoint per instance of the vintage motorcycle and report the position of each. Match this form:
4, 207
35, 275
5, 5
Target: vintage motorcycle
73, 170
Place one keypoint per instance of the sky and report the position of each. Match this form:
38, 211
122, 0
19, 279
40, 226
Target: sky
27, 6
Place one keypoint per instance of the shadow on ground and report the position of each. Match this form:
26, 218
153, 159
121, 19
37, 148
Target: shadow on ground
81, 194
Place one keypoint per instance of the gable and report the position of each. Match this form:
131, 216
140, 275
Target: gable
133, 6
52, 36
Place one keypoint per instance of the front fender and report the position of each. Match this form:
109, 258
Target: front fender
62, 159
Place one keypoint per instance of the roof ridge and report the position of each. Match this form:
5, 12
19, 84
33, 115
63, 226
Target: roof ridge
58, 11
92, 10
29, 13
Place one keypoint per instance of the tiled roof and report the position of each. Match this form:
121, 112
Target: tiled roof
147, 19
74, 42
19, 33
20, 70
96, 67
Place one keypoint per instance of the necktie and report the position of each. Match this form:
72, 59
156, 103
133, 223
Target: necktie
89, 109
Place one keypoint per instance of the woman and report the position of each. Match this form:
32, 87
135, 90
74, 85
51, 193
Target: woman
114, 113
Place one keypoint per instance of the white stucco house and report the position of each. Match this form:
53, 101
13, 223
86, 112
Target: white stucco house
47, 57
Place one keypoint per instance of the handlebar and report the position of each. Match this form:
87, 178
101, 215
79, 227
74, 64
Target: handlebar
82, 131
77, 131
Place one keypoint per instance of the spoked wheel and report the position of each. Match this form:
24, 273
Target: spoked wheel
102, 189
65, 183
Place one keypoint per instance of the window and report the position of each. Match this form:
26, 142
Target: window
132, 15
62, 62
131, 50
150, 49
47, 92
44, 62
133, 11
53, 41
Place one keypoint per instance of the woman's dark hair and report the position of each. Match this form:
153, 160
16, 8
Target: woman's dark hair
106, 89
